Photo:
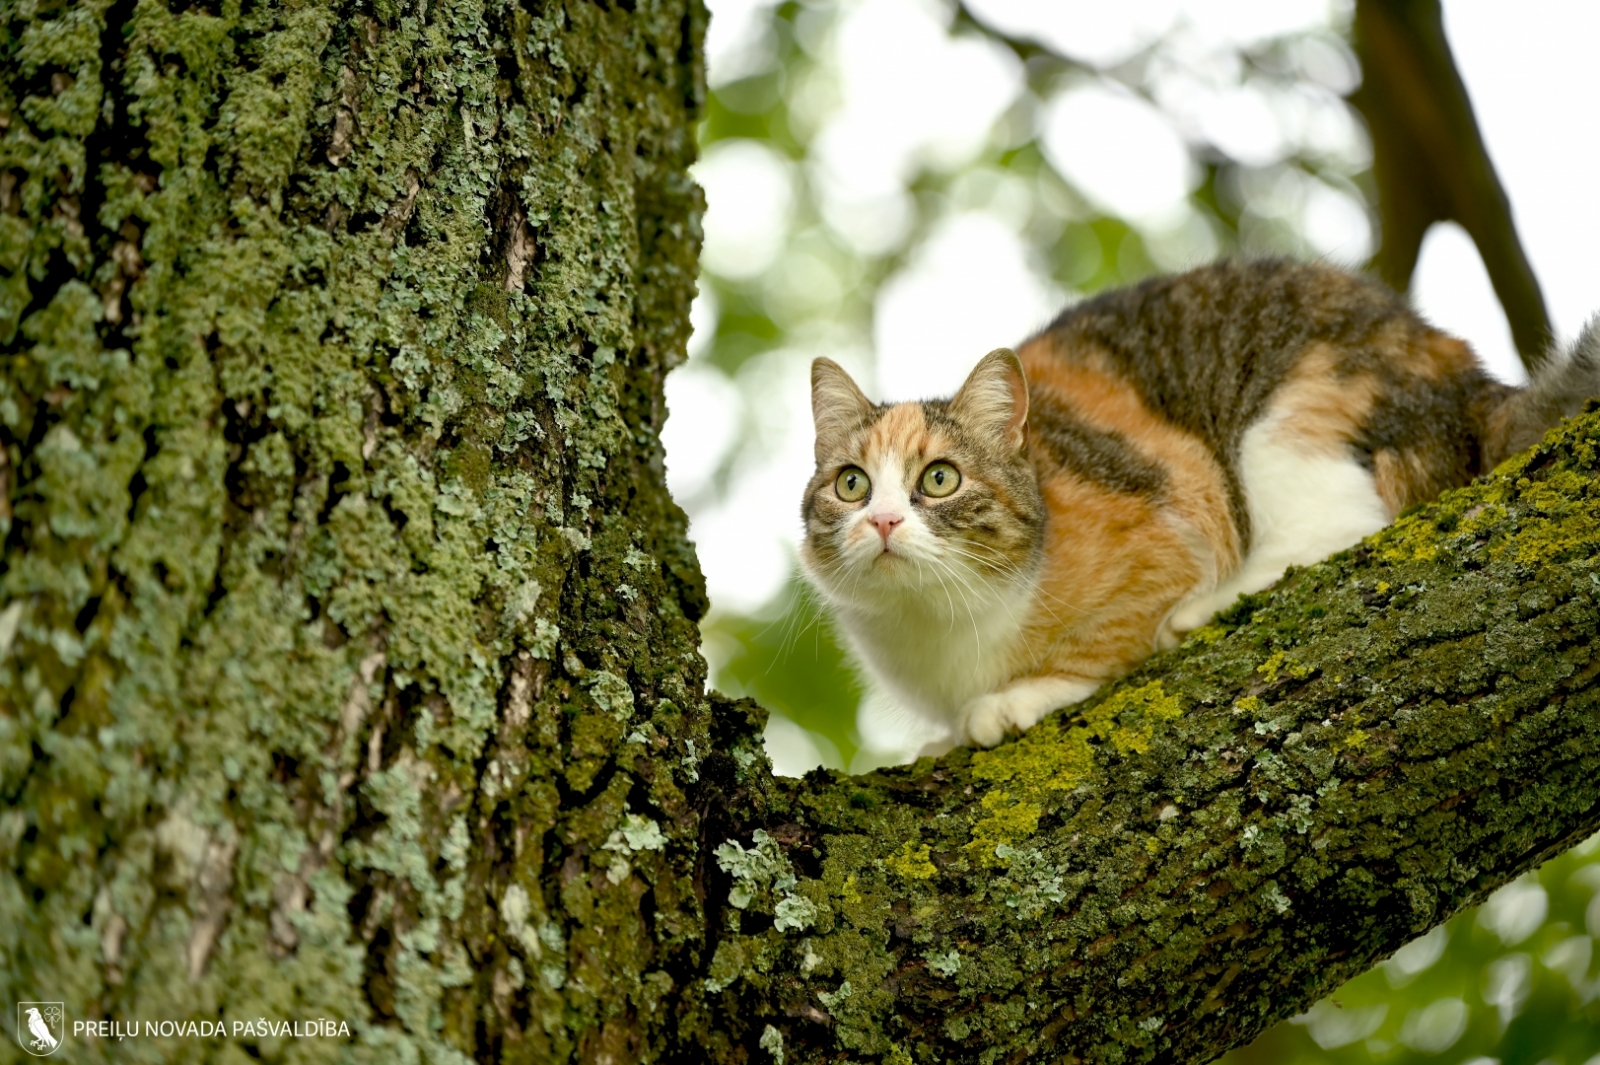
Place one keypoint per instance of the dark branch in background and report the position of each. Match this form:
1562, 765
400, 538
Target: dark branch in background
1430, 161
1022, 47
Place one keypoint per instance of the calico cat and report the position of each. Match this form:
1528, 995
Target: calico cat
1149, 456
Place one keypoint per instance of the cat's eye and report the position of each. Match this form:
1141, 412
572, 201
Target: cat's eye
940, 479
852, 484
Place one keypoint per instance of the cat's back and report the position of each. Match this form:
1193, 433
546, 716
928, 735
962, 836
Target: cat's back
1214, 351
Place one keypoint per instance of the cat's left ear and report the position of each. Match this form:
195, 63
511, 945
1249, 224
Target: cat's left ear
995, 397
837, 406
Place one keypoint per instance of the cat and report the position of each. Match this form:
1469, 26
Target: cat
1152, 454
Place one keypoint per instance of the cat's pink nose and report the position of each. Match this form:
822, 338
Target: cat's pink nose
886, 524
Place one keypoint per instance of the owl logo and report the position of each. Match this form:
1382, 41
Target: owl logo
41, 1027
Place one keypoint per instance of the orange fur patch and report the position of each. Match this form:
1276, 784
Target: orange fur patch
1436, 356
1116, 563
1113, 568
903, 431
1399, 475
1198, 489
1322, 409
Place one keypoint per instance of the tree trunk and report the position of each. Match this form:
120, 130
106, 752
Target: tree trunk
346, 613
348, 645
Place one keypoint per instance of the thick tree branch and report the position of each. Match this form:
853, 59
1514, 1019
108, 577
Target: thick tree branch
1224, 837
1430, 161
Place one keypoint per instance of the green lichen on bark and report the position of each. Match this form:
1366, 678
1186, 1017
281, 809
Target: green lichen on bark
346, 619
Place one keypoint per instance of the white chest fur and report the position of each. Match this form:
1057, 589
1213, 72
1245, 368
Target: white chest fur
1307, 499
936, 650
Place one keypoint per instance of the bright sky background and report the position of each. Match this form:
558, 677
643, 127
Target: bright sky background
974, 285
1530, 75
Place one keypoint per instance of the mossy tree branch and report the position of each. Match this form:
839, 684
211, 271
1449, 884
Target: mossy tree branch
344, 614
347, 644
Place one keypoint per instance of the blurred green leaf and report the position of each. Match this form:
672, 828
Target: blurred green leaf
789, 661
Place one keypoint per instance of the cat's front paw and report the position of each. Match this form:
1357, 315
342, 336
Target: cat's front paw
991, 717
1018, 707
1190, 616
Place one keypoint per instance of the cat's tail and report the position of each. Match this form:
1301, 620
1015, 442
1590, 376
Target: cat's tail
1559, 389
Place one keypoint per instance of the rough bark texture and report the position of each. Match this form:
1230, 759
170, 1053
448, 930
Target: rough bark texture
345, 611
347, 652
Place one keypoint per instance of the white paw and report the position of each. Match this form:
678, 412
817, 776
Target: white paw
1192, 615
991, 717
1019, 707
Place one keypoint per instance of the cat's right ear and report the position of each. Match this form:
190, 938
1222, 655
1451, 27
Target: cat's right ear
837, 406
995, 397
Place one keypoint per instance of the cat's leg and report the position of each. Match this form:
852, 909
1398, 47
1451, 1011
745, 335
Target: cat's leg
1018, 706
1306, 502
893, 732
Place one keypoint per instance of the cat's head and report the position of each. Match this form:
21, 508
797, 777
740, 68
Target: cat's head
932, 498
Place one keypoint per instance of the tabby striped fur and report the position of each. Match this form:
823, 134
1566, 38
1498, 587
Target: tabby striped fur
1133, 468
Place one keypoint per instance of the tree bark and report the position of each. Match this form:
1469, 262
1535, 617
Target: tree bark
345, 610
348, 653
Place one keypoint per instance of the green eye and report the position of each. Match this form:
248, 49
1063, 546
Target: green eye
852, 485
940, 479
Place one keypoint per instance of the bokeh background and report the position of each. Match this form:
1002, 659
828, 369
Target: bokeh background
903, 185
